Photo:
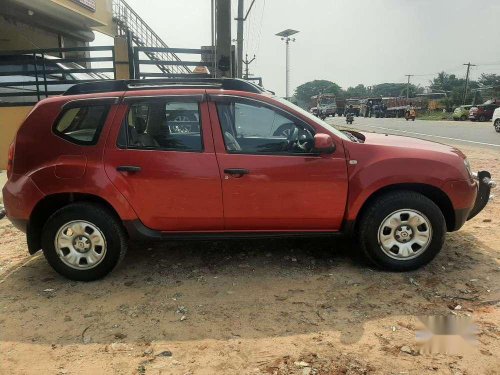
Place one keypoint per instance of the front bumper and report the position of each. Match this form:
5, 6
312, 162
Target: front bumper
483, 193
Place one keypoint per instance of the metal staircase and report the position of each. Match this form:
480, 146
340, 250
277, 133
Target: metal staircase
142, 35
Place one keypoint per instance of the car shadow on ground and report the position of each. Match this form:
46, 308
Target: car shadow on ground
233, 289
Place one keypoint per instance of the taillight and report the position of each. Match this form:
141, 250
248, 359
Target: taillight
10, 159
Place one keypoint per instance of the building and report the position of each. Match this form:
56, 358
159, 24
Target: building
29, 24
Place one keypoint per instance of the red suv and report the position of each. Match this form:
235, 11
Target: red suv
483, 112
219, 158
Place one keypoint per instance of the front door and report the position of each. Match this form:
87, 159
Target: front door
162, 160
271, 181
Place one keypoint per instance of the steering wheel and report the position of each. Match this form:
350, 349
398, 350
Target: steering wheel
300, 140
284, 130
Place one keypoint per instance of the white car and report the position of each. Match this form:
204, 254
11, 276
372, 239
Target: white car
496, 119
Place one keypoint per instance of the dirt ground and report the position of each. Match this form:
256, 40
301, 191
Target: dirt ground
252, 307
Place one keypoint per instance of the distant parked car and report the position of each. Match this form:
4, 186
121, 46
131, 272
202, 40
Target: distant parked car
483, 112
461, 113
496, 119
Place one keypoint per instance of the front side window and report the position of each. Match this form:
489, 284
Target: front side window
163, 125
251, 127
82, 125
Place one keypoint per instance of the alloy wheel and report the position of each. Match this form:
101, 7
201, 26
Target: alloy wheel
80, 245
405, 234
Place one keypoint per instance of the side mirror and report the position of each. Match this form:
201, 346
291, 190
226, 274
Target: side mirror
323, 143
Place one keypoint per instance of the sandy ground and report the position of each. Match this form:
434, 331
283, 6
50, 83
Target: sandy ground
252, 307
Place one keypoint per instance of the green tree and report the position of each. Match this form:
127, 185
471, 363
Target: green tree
454, 88
490, 83
304, 92
360, 91
395, 89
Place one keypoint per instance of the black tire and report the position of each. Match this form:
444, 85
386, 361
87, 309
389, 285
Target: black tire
463, 118
497, 125
379, 210
100, 217
482, 118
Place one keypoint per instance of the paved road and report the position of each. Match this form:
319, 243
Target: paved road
457, 132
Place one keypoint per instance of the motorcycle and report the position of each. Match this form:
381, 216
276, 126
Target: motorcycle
349, 118
410, 114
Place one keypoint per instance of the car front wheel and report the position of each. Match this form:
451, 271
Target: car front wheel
401, 231
497, 125
83, 241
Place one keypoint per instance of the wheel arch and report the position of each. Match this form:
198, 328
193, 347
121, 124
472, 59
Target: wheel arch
436, 195
50, 204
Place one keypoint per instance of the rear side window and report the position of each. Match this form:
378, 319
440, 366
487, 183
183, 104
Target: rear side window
82, 125
163, 125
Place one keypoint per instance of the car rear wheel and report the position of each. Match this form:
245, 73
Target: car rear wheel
83, 241
482, 118
497, 125
463, 118
401, 231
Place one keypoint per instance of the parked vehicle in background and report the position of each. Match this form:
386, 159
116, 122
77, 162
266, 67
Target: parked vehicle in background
397, 106
496, 119
223, 158
368, 105
326, 104
341, 106
461, 113
483, 112
355, 103
314, 111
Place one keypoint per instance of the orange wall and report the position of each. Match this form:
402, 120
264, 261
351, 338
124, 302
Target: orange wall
11, 119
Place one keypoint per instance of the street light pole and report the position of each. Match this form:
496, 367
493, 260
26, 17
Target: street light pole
285, 35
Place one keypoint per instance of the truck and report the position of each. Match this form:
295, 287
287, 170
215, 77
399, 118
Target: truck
372, 107
397, 106
326, 105
355, 103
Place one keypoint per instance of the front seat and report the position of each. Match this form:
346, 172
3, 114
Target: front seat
140, 138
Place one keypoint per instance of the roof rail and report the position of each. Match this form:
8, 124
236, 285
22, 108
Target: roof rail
145, 84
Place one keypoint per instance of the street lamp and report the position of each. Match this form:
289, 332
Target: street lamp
285, 35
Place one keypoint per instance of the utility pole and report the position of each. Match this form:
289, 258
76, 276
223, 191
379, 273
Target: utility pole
239, 38
408, 85
223, 38
467, 81
285, 35
246, 62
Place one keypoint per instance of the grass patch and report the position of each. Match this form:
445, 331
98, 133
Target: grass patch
434, 116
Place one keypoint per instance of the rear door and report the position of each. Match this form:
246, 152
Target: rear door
267, 184
161, 157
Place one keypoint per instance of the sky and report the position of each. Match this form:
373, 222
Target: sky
345, 41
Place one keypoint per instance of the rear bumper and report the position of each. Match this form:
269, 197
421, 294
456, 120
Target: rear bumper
20, 195
486, 183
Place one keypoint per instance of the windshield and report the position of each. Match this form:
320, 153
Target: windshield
314, 119
327, 100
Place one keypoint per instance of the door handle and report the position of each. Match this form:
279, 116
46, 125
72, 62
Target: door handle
128, 168
236, 172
